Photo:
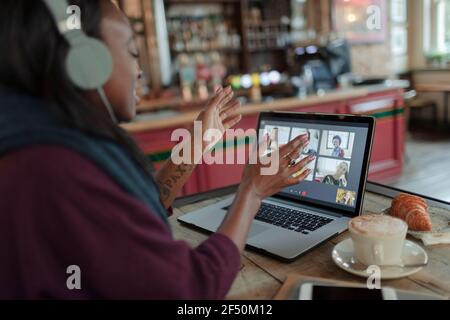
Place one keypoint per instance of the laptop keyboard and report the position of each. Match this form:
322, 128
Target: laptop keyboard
291, 219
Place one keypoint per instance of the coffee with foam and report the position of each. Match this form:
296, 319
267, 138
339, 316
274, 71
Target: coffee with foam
378, 239
377, 225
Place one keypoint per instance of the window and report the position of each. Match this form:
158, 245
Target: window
445, 25
440, 26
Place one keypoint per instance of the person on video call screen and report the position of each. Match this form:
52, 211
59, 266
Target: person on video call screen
339, 178
338, 152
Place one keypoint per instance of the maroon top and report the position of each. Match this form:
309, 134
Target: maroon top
58, 209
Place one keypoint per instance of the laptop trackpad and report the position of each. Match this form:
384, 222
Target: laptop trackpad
256, 229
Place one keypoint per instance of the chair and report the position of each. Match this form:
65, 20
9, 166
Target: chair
414, 106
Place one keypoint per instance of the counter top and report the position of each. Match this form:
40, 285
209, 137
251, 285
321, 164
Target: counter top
172, 119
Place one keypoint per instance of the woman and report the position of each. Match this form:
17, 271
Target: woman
339, 178
337, 152
347, 198
76, 191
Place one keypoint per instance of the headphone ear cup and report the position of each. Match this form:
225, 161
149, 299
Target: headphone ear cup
89, 64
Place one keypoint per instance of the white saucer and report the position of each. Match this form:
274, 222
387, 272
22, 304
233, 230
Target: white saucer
412, 254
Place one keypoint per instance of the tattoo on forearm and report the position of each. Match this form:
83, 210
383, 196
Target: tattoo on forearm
165, 189
182, 169
167, 184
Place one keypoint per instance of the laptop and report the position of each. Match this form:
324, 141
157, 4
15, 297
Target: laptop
300, 217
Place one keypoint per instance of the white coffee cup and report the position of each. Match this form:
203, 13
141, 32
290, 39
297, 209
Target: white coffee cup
378, 239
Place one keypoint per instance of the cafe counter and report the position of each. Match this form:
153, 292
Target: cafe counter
385, 102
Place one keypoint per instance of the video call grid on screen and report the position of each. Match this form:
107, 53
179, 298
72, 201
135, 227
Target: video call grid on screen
339, 150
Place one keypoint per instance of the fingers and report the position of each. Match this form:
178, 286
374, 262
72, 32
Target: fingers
294, 145
229, 123
290, 159
221, 98
230, 109
227, 95
302, 164
298, 179
218, 92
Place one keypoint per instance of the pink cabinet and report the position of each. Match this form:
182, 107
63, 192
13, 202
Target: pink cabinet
388, 148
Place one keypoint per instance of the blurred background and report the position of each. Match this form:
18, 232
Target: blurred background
385, 58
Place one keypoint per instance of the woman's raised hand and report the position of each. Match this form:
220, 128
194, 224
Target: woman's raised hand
219, 114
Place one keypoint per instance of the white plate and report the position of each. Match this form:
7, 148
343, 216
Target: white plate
412, 254
440, 220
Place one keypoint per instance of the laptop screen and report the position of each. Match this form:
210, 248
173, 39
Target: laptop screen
340, 149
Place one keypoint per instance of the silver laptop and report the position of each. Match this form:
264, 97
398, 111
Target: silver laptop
301, 217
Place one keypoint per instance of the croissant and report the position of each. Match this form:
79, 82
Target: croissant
413, 210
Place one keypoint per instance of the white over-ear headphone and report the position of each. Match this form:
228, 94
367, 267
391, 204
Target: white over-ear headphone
89, 63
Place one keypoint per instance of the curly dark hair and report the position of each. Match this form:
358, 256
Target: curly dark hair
338, 138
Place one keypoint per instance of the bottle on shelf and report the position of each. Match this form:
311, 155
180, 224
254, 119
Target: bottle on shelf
203, 75
218, 70
255, 90
187, 76
212, 32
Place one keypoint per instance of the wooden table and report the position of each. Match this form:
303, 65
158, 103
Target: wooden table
438, 87
261, 277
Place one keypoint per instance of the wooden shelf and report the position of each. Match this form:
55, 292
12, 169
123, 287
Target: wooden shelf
244, 59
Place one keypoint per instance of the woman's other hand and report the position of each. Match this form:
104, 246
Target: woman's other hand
263, 186
255, 187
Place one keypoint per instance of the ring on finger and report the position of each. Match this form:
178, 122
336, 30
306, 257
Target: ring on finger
291, 161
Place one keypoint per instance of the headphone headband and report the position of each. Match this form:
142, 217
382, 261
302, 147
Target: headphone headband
59, 12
